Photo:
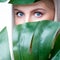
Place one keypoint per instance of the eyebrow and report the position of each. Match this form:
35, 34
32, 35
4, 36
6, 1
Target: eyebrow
31, 11
37, 9
17, 9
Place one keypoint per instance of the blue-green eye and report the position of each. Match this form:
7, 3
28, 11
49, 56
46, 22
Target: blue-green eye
38, 14
20, 14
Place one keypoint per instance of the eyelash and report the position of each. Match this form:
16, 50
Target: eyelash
39, 13
35, 14
18, 13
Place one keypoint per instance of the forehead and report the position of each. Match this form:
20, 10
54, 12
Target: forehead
37, 4
30, 5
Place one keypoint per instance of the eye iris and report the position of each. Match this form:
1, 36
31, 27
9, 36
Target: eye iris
38, 14
20, 14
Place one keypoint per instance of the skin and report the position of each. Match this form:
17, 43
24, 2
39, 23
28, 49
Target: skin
34, 12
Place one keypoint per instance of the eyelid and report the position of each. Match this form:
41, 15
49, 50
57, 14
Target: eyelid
39, 10
16, 10
19, 12
38, 15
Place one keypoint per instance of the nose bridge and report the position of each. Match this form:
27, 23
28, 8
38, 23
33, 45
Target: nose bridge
27, 17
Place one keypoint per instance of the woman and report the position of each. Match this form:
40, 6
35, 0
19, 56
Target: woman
37, 11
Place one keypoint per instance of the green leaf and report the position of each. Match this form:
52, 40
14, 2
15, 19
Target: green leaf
56, 47
16, 37
22, 2
57, 56
4, 45
34, 40
45, 34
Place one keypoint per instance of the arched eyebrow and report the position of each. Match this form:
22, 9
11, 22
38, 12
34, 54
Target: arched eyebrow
35, 9
39, 9
16, 9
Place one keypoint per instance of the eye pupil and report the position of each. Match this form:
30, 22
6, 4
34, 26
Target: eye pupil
38, 14
20, 14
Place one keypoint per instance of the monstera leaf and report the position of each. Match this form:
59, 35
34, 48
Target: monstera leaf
57, 56
22, 2
37, 41
3, 0
4, 45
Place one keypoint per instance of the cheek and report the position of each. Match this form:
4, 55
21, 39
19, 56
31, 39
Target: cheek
45, 17
19, 20
51, 15
48, 16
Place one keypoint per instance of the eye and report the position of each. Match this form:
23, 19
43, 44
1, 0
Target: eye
38, 14
20, 14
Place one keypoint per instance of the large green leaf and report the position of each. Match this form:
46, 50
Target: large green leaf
57, 56
35, 40
22, 2
56, 46
4, 45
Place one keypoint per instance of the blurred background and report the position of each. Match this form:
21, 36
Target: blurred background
6, 21
58, 9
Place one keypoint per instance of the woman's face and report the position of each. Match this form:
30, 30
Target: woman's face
35, 12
